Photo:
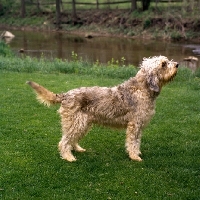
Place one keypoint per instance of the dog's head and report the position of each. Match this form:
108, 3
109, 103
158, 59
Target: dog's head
158, 71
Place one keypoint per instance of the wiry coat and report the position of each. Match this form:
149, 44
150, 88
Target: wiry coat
129, 105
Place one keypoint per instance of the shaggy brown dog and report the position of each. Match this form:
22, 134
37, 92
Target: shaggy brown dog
129, 105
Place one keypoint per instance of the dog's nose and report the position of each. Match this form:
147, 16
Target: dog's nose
177, 65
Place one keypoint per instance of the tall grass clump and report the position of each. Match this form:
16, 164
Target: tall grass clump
75, 66
5, 49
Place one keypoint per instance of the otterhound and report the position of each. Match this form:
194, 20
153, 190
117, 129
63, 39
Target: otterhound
129, 105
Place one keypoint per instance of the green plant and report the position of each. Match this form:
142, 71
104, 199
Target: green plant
123, 61
74, 56
4, 49
175, 35
147, 23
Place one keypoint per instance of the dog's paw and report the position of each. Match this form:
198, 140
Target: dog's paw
135, 157
69, 157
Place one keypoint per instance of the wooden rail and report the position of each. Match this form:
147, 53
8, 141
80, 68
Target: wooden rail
103, 3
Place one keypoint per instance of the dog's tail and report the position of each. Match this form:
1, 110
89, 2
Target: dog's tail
45, 96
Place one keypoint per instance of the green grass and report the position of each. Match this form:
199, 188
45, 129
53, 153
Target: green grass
42, 65
30, 165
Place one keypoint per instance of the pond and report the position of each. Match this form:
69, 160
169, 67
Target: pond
103, 49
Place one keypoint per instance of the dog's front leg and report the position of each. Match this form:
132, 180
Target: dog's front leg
133, 138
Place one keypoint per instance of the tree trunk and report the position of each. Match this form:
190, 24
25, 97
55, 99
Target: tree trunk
133, 5
23, 9
38, 5
74, 10
58, 14
145, 4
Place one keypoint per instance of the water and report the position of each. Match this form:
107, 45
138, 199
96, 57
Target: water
103, 49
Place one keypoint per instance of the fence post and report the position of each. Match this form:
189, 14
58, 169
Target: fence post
97, 4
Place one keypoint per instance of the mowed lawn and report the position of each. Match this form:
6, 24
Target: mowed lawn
31, 167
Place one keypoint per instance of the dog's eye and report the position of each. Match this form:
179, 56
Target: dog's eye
164, 64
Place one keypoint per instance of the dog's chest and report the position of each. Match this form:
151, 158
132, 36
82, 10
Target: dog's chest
145, 107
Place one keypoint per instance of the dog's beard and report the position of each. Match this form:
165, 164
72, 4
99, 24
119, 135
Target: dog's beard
172, 77
169, 79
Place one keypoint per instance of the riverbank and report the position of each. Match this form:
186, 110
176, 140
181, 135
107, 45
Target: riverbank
152, 24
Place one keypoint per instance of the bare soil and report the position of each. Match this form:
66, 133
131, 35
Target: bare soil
122, 23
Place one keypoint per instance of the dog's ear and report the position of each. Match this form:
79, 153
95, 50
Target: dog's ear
153, 83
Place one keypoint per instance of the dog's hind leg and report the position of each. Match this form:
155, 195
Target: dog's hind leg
74, 127
78, 148
133, 139
65, 150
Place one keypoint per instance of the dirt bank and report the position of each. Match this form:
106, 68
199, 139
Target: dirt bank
120, 23
123, 23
